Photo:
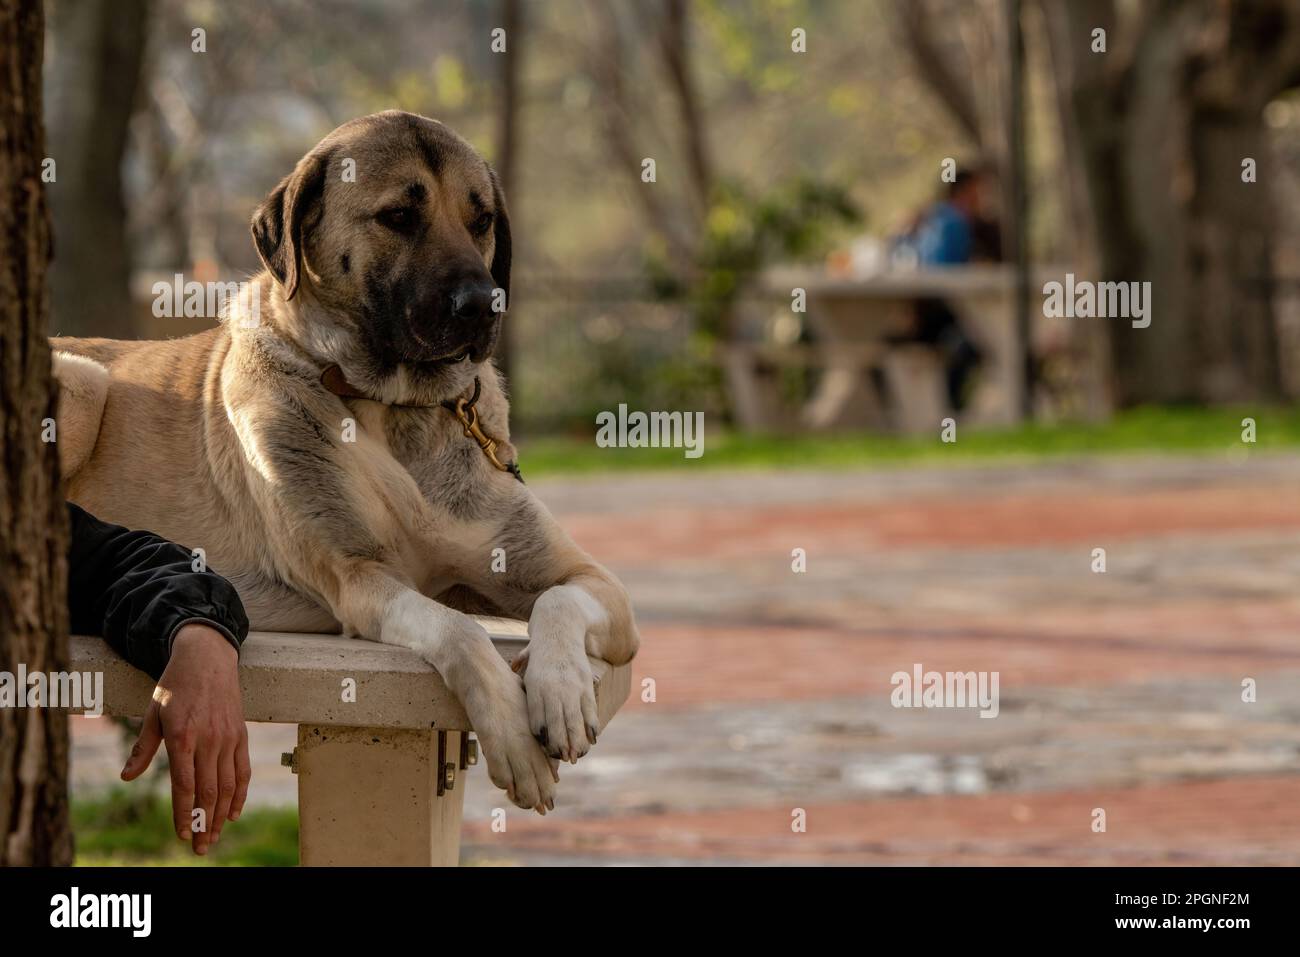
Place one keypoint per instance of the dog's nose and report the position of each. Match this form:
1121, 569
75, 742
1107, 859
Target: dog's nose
472, 300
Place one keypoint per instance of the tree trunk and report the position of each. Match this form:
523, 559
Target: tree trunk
97, 61
1156, 363
1231, 238
34, 826
674, 46
1164, 120
507, 152
936, 68
617, 100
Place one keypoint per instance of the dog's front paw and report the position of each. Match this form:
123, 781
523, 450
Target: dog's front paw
516, 763
561, 698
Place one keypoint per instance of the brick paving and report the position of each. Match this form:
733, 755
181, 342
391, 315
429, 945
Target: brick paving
1208, 823
1118, 690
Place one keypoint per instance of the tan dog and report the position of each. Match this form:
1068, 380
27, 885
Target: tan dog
304, 445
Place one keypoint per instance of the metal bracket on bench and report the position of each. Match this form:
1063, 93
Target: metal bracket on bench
468, 751
446, 770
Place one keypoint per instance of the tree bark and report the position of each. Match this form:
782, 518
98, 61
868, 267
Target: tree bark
1231, 233
608, 59
954, 91
34, 827
507, 152
97, 61
674, 46
1164, 119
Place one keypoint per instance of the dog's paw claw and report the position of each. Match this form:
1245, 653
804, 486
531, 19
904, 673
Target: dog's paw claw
561, 701
516, 762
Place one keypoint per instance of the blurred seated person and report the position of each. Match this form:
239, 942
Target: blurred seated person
952, 232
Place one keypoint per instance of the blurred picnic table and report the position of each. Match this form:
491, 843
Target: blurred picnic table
853, 318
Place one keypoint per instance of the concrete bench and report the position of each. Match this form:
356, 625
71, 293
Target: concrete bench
381, 768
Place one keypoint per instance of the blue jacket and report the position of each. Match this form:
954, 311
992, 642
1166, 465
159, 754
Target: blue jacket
944, 237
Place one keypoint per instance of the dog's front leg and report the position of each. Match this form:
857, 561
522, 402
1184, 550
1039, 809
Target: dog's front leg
587, 615
376, 606
576, 610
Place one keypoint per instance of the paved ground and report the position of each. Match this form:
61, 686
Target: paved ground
1119, 691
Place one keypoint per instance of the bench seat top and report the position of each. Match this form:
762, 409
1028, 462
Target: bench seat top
299, 679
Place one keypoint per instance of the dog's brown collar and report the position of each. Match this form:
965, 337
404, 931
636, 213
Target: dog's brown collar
463, 409
334, 380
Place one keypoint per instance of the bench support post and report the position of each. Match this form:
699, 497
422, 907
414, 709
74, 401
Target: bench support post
379, 796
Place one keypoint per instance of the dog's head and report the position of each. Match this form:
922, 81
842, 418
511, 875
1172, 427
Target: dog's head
393, 238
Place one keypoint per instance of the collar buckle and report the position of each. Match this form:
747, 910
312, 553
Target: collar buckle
336, 382
466, 413
468, 416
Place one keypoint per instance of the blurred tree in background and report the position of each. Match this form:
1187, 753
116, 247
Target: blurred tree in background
93, 77
1158, 104
1165, 120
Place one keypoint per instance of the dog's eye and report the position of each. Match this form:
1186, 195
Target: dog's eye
481, 225
400, 218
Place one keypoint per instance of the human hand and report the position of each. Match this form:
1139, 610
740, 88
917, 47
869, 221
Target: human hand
197, 710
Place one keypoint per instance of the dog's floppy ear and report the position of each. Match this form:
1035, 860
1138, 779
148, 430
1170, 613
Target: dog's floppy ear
277, 224
500, 239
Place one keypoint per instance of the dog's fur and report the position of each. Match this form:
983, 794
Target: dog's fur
228, 441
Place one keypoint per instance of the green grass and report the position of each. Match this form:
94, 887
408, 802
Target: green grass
133, 827
1145, 430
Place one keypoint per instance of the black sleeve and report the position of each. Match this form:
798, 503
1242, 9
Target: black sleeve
137, 590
